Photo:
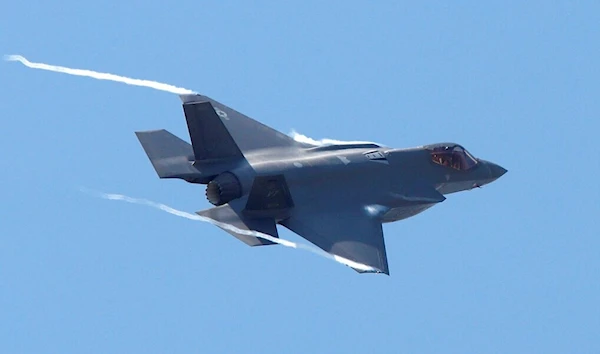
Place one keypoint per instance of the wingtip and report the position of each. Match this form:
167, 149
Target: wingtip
372, 271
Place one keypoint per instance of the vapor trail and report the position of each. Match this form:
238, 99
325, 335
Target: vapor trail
183, 214
155, 85
307, 140
100, 76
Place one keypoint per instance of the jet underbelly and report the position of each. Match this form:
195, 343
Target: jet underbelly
405, 212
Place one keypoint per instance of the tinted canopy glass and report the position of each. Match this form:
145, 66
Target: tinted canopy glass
454, 156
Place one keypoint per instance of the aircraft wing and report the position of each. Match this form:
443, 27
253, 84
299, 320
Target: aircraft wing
350, 234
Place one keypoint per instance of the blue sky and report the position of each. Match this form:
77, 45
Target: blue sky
509, 268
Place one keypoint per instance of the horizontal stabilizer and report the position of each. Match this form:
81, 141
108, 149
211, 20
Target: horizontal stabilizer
227, 215
170, 156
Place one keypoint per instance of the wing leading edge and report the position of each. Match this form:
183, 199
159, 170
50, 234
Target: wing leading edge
350, 234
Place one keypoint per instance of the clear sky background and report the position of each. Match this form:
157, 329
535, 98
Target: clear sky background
510, 268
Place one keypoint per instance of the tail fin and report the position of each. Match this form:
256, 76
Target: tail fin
220, 137
247, 133
171, 157
210, 138
212, 151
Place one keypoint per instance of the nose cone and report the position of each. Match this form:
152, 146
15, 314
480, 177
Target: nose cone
496, 171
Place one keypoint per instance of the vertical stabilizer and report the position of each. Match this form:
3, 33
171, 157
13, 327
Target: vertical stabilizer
210, 138
247, 133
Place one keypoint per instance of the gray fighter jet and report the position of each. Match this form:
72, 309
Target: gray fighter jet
335, 196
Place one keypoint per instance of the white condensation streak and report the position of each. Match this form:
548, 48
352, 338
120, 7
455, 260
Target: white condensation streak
155, 85
183, 91
183, 214
301, 138
100, 76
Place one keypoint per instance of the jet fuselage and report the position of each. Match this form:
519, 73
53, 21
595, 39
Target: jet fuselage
392, 184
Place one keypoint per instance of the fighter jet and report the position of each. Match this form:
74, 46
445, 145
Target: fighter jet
335, 196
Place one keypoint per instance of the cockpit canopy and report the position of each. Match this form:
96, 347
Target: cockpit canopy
452, 155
